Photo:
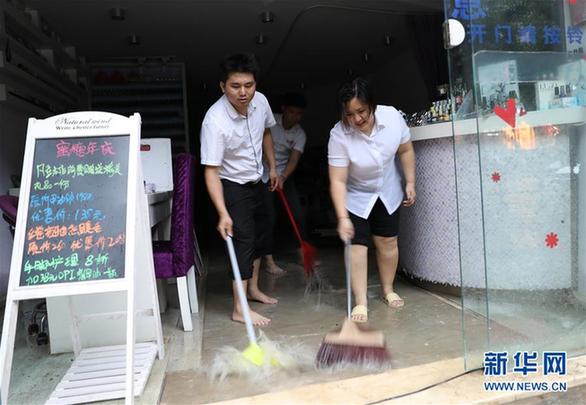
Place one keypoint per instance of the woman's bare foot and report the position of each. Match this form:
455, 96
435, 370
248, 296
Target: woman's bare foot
258, 295
359, 314
393, 300
274, 269
257, 319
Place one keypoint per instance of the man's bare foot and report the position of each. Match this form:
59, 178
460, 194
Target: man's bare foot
274, 269
258, 295
257, 319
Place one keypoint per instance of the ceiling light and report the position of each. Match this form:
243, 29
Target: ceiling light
267, 17
118, 14
134, 39
261, 39
387, 40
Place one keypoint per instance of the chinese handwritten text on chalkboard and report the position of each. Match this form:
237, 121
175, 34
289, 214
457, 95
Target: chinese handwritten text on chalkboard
76, 223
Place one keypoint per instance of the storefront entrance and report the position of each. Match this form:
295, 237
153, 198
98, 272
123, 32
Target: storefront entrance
493, 253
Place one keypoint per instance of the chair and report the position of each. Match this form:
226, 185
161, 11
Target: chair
176, 258
9, 206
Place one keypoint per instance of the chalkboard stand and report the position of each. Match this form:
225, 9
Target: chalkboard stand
138, 263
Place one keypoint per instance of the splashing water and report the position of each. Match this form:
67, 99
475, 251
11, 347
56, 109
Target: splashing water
318, 283
289, 358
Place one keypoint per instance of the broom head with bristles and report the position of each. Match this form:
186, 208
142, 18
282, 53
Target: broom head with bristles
353, 344
309, 254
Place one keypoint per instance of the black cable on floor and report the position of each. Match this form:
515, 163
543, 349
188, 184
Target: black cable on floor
424, 388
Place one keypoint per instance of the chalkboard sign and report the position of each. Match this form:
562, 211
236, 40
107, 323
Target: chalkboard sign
75, 227
83, 228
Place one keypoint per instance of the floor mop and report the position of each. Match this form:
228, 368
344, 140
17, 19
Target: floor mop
253, 353
262, 356
353, 343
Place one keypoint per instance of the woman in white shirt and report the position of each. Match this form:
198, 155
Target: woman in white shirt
366, 185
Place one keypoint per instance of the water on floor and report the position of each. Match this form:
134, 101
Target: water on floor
427, 329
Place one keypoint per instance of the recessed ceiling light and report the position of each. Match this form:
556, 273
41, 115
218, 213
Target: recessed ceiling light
387, 40
134, 39
267, 17
261, 39
118, 14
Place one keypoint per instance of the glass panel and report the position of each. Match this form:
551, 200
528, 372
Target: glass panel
529, 96
467, 185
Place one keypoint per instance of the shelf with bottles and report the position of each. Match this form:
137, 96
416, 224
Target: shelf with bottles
153, 87
537, 81
438, 111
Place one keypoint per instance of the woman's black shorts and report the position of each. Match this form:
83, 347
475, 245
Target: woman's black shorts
379, 223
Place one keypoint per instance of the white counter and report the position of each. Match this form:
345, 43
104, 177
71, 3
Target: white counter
510, 217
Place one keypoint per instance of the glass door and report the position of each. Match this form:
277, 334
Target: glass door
518, 85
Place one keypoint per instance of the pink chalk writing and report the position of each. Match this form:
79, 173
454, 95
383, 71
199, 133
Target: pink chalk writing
80, 149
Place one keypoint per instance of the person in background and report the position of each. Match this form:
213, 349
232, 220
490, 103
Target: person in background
289, 141
366, 186
235, 136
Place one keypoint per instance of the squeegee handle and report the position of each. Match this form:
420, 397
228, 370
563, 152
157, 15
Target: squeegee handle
241, 293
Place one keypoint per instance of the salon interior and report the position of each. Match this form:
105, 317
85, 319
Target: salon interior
492, 255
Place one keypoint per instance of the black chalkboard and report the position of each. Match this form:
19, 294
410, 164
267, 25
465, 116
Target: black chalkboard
76, 221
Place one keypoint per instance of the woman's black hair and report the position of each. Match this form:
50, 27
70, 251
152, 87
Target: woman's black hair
358, 88
239, 63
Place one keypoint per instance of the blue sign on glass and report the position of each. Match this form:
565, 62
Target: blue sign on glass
476, 33
527, 34
495, 363
574, 35
554, 363
468, 10
503, 33
525, 362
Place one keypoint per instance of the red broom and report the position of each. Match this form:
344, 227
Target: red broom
353, 343
306, 248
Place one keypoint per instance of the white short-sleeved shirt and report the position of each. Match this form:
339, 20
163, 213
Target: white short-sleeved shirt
234, 141
285, 141
372, 171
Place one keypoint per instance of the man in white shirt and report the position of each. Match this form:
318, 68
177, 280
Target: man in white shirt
234, 135
289, 141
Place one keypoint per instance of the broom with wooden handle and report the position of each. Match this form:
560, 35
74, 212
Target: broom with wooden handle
352, 343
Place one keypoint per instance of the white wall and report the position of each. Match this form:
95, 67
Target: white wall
13, 122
